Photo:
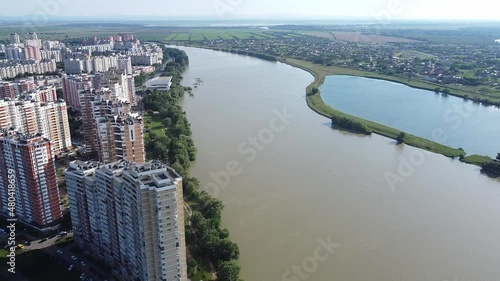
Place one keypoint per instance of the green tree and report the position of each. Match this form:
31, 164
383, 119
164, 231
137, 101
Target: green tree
192, 267
228, 271
401, 137
226, 250
167, 122
59, 93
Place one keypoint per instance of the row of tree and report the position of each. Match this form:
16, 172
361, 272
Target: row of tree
350, 125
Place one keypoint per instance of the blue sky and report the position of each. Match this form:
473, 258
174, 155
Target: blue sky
384, 9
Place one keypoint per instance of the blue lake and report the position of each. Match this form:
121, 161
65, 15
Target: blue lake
445, 119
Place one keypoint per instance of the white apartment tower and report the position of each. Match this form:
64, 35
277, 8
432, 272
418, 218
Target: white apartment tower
131, 216
50, 119
14, 38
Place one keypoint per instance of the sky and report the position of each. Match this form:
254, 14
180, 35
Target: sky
380, 10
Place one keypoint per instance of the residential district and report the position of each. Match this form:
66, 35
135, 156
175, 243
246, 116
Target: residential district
126, 212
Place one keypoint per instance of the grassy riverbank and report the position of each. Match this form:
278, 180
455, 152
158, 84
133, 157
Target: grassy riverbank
315, 102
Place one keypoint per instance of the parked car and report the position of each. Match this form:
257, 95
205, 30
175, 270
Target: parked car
74, 258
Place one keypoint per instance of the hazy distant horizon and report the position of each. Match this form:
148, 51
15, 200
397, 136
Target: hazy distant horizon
257, 21
380, 10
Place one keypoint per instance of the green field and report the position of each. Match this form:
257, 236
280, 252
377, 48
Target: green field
62, 32
153, 124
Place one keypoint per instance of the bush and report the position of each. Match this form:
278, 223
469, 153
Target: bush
351, 125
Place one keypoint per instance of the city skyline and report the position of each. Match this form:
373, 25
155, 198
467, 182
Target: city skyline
240, 9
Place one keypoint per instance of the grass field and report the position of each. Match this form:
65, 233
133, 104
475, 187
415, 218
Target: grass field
415, 54
358, 37
477, 159
153, 124
157, 33
322, 34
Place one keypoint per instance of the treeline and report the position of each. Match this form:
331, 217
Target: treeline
206, 240
251, 54
492, 168
206, 236
350, 125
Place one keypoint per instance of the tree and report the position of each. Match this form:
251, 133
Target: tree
226, 250
167, 122
213, 211
228, 271
315, 90
192, 267
401, 137
498, 157
59, 93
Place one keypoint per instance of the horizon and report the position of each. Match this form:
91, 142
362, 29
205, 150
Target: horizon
382, 10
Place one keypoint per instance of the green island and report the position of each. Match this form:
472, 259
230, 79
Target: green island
168, 136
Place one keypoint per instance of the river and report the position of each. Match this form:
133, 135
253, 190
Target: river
420, 112
291, 184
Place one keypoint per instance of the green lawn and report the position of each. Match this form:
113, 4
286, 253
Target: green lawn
153, 124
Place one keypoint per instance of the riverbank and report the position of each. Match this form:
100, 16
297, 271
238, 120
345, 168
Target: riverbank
168, 135
315, 102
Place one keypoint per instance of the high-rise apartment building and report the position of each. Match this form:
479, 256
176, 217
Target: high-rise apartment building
12, 89
125, 64
27, 164
50, 119
111, 130
32, 53
14, 38
119, 84
131, 216
120, 137
73, 85
14, 52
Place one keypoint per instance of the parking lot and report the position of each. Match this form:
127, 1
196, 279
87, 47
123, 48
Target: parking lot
62, 251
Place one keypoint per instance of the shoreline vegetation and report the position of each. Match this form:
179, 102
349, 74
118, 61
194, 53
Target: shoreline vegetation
211, 254
362, 126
